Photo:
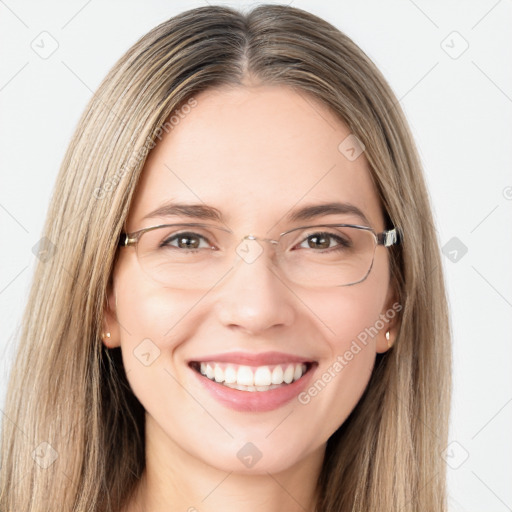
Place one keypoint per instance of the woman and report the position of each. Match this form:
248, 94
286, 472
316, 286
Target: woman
241, 302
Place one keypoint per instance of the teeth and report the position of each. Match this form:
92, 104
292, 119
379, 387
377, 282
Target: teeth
262, 376
218, 374
288, 374
247, 378
277, 375
229, 375
252, 388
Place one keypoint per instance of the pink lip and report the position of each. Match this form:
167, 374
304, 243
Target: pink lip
255, 401
248, 359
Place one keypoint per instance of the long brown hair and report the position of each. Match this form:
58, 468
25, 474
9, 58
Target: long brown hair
73, 432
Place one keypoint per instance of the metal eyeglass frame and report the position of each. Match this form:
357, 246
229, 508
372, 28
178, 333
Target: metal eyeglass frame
387, 238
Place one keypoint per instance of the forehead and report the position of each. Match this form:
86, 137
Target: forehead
255, 153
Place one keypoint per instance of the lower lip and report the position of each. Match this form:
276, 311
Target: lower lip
255, 401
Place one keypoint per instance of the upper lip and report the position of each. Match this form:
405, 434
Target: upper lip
252, 359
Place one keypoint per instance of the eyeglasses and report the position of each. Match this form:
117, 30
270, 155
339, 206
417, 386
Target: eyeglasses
197, 256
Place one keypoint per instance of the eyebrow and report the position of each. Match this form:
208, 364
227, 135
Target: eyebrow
205, 212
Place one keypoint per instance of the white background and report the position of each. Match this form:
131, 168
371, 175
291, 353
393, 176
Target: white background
458, 109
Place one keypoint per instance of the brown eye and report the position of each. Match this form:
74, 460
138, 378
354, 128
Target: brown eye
187, 240
323, 240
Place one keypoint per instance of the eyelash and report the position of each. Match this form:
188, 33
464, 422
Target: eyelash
342, 244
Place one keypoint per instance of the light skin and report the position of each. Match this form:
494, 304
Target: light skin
253, 152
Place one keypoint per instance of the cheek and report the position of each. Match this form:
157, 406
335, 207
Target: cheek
352, 338
349, 313
155, 323
152, 319
351, 317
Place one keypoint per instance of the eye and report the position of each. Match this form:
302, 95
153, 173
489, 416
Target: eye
186, 240
323, 239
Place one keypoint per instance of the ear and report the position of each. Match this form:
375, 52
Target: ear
390, 317
110, 323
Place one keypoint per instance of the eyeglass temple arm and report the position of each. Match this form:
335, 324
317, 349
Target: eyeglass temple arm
125, 240
390, 237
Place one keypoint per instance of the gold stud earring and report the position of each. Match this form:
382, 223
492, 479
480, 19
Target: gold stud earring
387, 337
105, 335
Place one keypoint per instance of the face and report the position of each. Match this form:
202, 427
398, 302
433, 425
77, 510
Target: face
255, 154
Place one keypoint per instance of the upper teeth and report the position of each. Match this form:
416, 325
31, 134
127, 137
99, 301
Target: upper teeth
253, 376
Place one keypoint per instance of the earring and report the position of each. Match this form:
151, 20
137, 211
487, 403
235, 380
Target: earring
105, 336
387, 337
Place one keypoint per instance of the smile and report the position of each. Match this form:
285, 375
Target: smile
251, 378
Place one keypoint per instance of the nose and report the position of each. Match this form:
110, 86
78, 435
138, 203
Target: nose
252, 298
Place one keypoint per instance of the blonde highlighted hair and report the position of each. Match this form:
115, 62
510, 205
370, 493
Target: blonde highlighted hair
73, 435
